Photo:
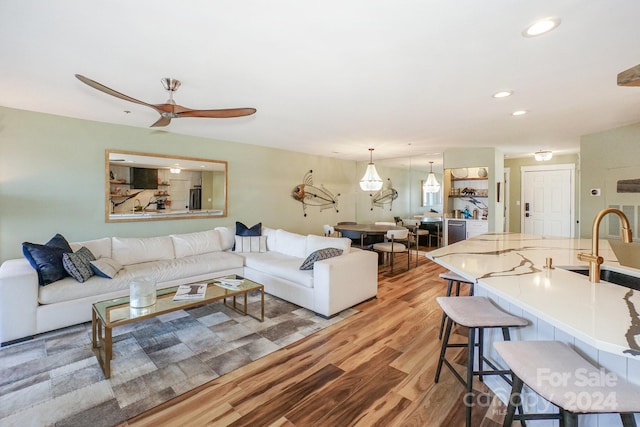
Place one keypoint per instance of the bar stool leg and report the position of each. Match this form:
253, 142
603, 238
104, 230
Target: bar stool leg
514, 400
628, 420
444, 315
480, 352
443, 349
469, 396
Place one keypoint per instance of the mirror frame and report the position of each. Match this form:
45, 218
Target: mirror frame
156, 215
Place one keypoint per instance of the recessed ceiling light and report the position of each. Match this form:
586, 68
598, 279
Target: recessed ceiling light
519, 113
503, 94
541, 27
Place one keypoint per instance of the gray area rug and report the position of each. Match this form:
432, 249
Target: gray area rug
55, 379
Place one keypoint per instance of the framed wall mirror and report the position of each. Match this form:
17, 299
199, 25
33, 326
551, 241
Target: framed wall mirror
151, 187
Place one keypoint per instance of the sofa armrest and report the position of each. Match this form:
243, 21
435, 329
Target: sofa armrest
344, 281
18, 300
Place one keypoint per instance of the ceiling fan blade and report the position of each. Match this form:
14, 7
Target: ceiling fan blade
162, 121
102, 88
224, 113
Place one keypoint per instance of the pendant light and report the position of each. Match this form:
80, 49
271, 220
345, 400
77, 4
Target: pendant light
431, 184
371, 181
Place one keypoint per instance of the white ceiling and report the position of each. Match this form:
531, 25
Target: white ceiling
333, 78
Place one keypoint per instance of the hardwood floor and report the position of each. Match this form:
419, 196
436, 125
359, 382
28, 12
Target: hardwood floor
374, 369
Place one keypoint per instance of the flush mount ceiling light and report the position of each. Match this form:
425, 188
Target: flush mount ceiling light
543, 155
540, 27
431, 184
519, 113
371, 181
503, 94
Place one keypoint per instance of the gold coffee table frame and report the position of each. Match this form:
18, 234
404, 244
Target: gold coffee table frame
108, 314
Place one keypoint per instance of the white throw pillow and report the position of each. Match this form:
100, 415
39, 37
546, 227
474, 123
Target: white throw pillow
134, 250
251, 244
201, 242
315, 243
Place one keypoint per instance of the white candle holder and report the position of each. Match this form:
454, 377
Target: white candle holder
142, 293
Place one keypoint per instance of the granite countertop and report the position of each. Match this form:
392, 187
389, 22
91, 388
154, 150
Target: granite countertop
512, 266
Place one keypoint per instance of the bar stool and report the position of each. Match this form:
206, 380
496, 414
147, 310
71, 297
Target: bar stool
475, 313
557, 373
457, 279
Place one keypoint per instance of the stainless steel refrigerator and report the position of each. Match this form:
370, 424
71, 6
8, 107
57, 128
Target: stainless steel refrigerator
195, 199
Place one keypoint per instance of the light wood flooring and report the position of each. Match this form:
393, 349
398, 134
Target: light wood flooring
374, 369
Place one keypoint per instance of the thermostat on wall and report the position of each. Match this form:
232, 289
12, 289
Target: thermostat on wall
595, 191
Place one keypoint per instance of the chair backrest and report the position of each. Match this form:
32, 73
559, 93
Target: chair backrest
398, 234
328, 230
384, 223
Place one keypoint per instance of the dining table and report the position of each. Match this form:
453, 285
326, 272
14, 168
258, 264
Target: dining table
366, 230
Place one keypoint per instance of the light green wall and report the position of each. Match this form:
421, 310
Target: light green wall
603, 155
515, 166
52, 181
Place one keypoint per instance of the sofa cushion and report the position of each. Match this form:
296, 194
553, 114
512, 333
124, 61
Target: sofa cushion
105, 267
319, 242
100, 248
134, 250
271, 237
291, 244
47, 259
280, 265
78, 264
196, 243
319, 255
227, 237
243, 230
251, 244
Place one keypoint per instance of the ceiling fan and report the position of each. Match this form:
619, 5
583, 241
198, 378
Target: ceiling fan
170, 110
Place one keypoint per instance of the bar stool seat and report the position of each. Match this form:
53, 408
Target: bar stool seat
457, 279
557, 373
475, 313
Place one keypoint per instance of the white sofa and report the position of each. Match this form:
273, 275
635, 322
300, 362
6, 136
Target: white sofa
27, 309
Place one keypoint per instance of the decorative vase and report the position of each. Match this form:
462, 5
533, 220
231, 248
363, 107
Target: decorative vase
142, 293
482, 172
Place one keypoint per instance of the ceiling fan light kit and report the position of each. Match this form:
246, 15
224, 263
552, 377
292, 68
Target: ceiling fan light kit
543, 155
169, 110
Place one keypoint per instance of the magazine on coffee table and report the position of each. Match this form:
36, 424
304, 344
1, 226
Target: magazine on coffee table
194, 291
233, 284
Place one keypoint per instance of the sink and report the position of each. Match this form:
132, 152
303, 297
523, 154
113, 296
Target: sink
611, 276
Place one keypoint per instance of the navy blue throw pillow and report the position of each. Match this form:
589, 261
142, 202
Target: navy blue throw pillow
47, 259
243, 230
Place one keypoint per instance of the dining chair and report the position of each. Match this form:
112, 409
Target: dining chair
394, 246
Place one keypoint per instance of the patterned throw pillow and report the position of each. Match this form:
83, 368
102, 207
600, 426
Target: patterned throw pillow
319, 255
78, 264
251, 244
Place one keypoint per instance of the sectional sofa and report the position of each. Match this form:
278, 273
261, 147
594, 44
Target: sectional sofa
274, 259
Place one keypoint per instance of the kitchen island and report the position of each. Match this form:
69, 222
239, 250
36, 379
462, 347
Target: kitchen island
600, 320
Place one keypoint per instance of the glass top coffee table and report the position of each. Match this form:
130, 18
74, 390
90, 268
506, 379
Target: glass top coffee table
116, 312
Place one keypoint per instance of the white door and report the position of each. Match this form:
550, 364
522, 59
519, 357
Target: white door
548, 200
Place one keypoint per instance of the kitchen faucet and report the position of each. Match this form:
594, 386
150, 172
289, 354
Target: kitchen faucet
593, 258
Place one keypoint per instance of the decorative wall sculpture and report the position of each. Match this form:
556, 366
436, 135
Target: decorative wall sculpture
387, 194
310, 195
